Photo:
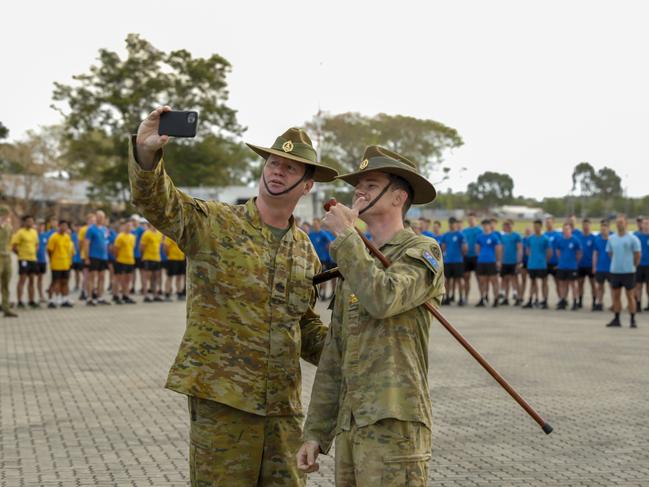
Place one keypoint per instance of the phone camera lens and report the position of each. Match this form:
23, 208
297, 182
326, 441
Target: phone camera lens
191, 118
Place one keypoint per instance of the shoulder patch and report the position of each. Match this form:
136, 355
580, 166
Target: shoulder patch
427, 257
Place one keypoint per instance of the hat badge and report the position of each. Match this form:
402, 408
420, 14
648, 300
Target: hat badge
364, 164
287, 146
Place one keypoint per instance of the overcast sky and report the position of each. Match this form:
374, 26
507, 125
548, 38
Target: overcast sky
532, 87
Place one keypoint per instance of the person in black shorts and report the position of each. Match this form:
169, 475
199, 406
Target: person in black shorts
624, 249
470, 232
642, 273
538, 251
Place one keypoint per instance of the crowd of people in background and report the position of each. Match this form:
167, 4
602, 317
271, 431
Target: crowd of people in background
102, 261
516, 269
510, 268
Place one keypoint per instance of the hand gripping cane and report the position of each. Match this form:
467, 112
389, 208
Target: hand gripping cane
325, 276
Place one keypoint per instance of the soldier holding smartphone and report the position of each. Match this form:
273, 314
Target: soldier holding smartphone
250, 310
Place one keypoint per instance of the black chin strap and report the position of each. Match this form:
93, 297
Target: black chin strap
375, 200
280, 193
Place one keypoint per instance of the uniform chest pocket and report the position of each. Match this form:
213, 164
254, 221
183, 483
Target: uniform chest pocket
300, 288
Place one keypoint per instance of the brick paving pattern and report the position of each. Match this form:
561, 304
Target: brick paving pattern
82, 402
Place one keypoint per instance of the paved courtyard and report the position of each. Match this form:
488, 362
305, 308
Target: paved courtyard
82, 402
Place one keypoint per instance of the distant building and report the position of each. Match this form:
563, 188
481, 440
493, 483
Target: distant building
519, 212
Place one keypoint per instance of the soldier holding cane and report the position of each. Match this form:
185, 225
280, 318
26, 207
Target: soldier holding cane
371, 390
250, 310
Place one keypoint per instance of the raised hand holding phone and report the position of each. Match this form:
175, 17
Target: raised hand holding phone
148, 140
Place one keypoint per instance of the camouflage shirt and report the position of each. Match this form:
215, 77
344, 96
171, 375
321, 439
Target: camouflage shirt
375, 361
5, 239
249, 309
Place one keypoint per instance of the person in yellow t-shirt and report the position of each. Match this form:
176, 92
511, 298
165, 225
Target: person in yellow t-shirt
151, 263
175, 269
24, 243
124, 252
61, 250
91, 219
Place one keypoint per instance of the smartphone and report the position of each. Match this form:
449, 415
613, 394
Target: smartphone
178, 124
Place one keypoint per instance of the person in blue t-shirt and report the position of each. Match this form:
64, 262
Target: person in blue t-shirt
624, 250
436, 233
470, 233
568, 251
585, 264
96, 244
137, 230
601, 264
512, 243
539, 252
453, 248
41, 258
642, 274
111, 235
489, 250
77, 263
321, 239
523, 275
552, 235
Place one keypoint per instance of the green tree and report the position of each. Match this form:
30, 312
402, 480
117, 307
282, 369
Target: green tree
103, 106
491, 188
607, 183
343, 138
584, 178
4, 131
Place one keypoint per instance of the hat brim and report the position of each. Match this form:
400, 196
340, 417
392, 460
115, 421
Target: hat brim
322, 174
424, 190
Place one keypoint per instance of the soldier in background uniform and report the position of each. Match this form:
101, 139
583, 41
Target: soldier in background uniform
250, 314
5, 260
371, 389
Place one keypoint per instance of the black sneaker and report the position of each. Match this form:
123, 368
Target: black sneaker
633, 324
127, 300
495, 305
103, 302
147, 299
561, 305
67, 304
51, 306
614, 323
518, 302
575, 306
504, 302
529, 305
82, 296
544, 305
20, 305
116, 300
460, 302
480, 304
33, 305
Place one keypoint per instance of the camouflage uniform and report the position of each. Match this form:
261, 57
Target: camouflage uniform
371, 389
5, 260
250, 318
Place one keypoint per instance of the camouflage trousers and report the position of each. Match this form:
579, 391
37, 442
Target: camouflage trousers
5, 277
230, 447
388, 453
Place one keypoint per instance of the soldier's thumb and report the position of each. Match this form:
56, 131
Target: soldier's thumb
310, 456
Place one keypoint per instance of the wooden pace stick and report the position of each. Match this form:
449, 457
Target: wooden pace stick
547, 429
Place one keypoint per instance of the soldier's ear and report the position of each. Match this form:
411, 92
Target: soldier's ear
307, 187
